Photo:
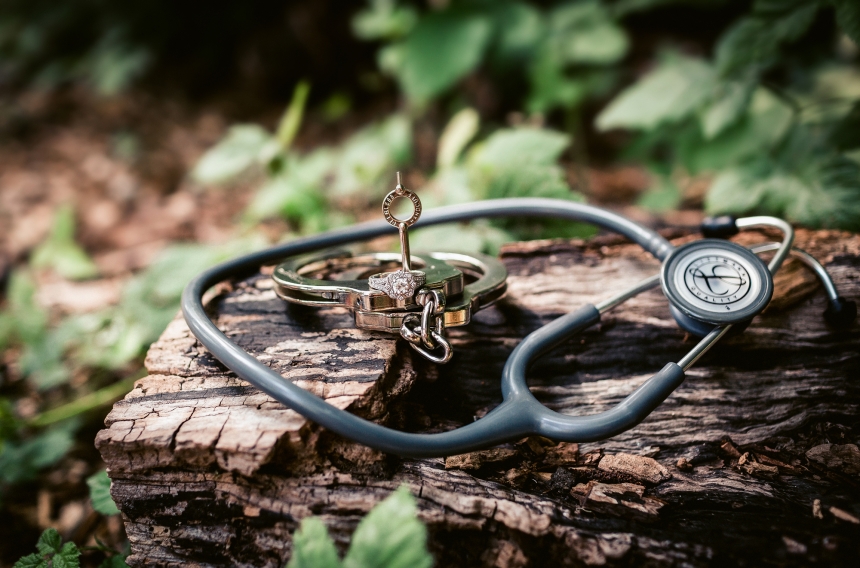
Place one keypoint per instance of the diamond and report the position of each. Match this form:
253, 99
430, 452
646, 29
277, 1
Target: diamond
399, 285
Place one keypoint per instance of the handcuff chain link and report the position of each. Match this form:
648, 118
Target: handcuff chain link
424, 336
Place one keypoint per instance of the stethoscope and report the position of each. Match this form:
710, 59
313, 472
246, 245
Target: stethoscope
713, 286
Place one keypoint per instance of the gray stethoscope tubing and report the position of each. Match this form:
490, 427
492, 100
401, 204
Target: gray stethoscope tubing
520, 414
810, 262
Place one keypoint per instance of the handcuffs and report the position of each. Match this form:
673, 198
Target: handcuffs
427, 294
713, 286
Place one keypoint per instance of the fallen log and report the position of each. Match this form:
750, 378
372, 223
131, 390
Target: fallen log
753, 460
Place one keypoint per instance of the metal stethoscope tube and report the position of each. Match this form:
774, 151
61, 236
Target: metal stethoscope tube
520, 414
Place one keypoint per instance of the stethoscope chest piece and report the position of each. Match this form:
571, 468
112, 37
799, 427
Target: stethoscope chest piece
713, 282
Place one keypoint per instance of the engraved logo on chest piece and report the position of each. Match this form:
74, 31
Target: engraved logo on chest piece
717, 280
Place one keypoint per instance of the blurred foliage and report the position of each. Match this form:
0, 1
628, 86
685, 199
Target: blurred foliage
22, 458
60, 252
750, 117
301, 188
563, 52
310, 190
390, 536
772, 148
510, 162
111, 45
766, 112
51, 351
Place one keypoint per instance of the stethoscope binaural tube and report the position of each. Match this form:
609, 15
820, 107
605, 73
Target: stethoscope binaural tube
520, 414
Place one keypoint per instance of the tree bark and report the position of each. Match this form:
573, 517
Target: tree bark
753, 460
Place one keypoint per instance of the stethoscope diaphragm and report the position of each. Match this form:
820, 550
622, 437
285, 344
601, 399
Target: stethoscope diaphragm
715, 283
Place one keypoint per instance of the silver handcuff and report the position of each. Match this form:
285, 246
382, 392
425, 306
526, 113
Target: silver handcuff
427, 294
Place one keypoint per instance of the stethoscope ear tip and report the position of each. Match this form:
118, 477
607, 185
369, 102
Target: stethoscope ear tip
840, 313
721, 227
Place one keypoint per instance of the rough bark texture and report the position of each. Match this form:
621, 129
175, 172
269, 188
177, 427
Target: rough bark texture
753, 460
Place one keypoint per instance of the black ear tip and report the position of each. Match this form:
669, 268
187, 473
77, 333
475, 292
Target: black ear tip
840, 313
721, 227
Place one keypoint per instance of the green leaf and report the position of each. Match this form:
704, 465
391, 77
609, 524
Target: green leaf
535, 180
550, 86
765, 125
233, 155
449, 186
442, 49
479, 236
370, 156
731, 100
292, 119
20, 461
662, 196
287, 197
390, 536
754, 41
336, 107
26, 323
383, 19
670, 93
49, 542
31, 561
27, 320
60, 252
802, 185
827, 197
8, 421
519, 28
100, 496
508, 147
578, 34
584, 33
149, 302
295, 192
457, 134
528, 180
68, 557
42, 362
522, 163
848, 18
313, 547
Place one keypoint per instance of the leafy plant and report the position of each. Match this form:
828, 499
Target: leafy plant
54, 553
510, 162
114, 336
24, 322
561, 52
390, 536
111, 339
775, 149
22, 457
300, 188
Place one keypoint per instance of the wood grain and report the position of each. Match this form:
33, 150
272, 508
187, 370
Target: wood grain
752, 460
